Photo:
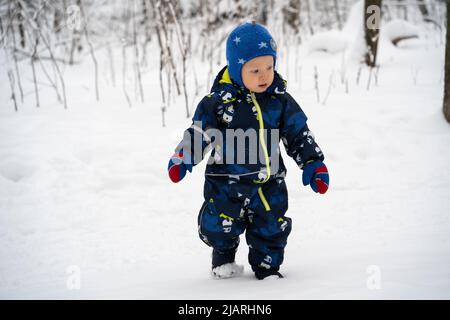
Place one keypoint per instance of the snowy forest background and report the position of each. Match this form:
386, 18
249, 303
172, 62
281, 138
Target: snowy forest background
95, 95
179, 35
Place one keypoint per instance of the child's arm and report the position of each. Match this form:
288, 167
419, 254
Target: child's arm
301, 146
191, 150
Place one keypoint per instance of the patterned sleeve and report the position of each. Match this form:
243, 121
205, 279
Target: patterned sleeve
196, 140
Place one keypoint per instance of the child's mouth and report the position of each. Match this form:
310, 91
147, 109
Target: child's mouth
263, 85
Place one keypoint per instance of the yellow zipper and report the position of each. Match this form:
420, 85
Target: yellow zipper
261, 138
263, 199
222, 215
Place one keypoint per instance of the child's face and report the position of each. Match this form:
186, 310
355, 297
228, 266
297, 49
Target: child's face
257, 74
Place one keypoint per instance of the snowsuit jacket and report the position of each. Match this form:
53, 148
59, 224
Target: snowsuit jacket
229, 106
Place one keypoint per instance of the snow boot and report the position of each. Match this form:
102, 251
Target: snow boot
223, 265
227, 270
268, 274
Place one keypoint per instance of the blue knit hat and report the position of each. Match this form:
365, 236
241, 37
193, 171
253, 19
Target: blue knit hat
245, 42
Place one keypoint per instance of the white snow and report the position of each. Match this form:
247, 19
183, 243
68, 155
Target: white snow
329, 41
227, 270
353, 30
399, 28
87, 209
271, 278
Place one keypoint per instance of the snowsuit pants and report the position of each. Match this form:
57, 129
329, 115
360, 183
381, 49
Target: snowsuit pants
234, 206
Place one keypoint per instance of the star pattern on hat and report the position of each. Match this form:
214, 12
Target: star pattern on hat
237, 40
241, 61
262, 45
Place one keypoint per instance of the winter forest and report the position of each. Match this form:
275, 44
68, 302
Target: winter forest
96, 95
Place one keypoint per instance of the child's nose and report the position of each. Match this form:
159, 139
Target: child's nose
263, 76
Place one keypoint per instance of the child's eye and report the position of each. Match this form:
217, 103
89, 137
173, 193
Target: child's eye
269, 68
254, 71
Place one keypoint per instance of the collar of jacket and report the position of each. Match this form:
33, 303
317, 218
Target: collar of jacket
229, 90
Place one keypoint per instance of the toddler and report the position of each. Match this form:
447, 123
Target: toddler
244, 188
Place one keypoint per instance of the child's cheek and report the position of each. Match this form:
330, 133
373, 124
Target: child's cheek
272, 76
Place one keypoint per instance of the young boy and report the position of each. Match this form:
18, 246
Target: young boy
248, 100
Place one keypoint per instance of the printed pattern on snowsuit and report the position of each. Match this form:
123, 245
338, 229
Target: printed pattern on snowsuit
231, 107
242, 197
230, 208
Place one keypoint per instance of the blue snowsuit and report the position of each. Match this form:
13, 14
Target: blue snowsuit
246, 195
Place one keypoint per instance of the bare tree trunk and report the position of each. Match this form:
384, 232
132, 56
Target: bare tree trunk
183, 49
372, 16
146, 19
91, 47
358, 75
52, 83
33, 58
58, 17
291, 15
21, 27
308, 12
426, 13
447, 69
262, 8
338, 14
124, 74
39, 33
34, 33
404, 8
330, 85
369, 79
168, 50
136, 56
2, 31
163, 96
316, 83
14, 49
162, 58
147, 30
76, 35
423, 9
124, 57
13, 93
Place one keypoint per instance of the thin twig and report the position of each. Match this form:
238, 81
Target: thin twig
91, 48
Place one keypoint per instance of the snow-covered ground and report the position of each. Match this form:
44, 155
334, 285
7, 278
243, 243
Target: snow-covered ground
87, 209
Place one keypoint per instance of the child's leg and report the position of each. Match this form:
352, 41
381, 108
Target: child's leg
268, 228
220, 221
